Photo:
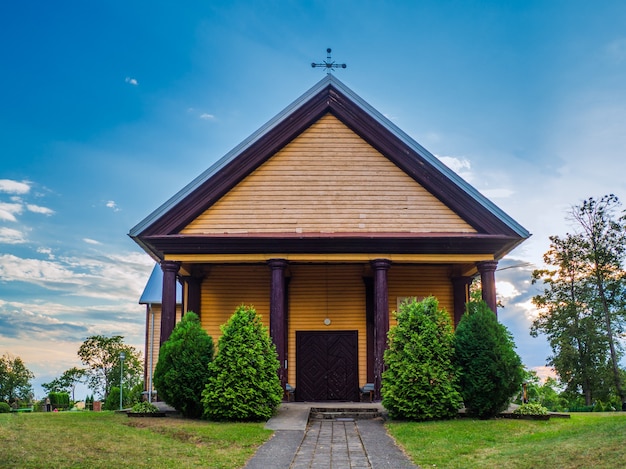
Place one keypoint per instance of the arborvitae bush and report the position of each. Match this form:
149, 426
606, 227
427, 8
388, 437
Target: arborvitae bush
183, 367
491, 370
243, 382
420, 382
4, 408
59, 400
112, 402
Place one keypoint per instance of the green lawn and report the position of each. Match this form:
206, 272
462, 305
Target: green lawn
107, 440
586, 440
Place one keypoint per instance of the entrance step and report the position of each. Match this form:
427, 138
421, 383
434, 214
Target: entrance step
344, 413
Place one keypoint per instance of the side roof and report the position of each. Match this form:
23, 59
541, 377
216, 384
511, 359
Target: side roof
328, 95
153, 292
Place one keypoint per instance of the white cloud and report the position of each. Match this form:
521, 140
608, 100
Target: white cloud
11, 236
206, 116
14, 187
9, 210
39, 209
112, 205
91, 241
47, 252
131, 81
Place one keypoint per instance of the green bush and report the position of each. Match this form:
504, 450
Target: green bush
183, 367
112, 402
421, 380
491, 370
59, 400
531, 409
144, 407
243, 382
4, 408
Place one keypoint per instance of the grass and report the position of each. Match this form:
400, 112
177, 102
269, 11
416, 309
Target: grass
586, 440
107, 439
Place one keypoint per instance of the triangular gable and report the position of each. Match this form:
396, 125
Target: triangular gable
331, 96
327, 180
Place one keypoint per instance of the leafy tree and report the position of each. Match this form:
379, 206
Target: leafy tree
14, 379
101, 356
66, 382
183, 367
491, 370
568, 319
603, 232
421, 380
243, 382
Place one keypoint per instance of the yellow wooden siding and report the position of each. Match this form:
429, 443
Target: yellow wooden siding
317, 292
420, 281
229, 286
328, 180
154, 336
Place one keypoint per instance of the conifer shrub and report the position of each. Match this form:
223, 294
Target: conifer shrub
243, 384
491, 370
4, 408
183, 367
112, 402
421, 379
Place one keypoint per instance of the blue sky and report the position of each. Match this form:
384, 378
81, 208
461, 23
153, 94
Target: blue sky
109, 108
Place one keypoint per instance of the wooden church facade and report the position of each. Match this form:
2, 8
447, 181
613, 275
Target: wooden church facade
325, 220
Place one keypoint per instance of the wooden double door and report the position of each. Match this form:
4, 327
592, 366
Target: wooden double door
327, 366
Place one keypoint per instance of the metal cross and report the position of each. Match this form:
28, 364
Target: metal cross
328, 64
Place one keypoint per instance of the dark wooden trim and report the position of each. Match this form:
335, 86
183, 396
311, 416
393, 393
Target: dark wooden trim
460, 288
278, 313
396, 244
369, 326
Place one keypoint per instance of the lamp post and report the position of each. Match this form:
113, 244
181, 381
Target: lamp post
122, 357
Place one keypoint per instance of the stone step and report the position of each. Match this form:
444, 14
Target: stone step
343, 413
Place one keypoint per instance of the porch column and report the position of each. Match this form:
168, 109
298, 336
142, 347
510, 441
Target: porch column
193, 293
461, 294
381, 319
277, 314
168, 299
488, 281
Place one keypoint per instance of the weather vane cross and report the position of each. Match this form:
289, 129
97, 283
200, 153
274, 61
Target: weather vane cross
328, 64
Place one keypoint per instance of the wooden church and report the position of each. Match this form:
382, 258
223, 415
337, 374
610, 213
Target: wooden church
325, 219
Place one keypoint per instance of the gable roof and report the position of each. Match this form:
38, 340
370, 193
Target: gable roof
329, 95
153, 291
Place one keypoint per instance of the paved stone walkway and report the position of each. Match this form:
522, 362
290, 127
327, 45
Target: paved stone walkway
327, 444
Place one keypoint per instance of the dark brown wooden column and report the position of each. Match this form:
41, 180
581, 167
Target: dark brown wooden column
278, 313
488, 281
381, 319
168, 299
461, 293
194, 283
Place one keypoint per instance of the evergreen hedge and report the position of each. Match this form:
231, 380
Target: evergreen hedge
243, 383
491, 370
183, 367
420, 382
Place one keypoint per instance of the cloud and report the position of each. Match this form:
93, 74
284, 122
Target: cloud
112, 205
9, 210
131, 81
91, 241
39, 209
11, 236
14, 187
207, 117
47, 252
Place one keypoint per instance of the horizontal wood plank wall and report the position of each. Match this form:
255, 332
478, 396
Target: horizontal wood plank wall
228, 286
317, 292
420, 281
328, 180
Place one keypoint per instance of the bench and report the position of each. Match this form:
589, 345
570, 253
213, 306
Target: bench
367, 389
23, 409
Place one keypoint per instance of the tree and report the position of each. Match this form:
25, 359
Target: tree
603, 232
491, 370
66, 382
183, 367
243, 382
101, 355
421, 380
568, 319
14, 379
